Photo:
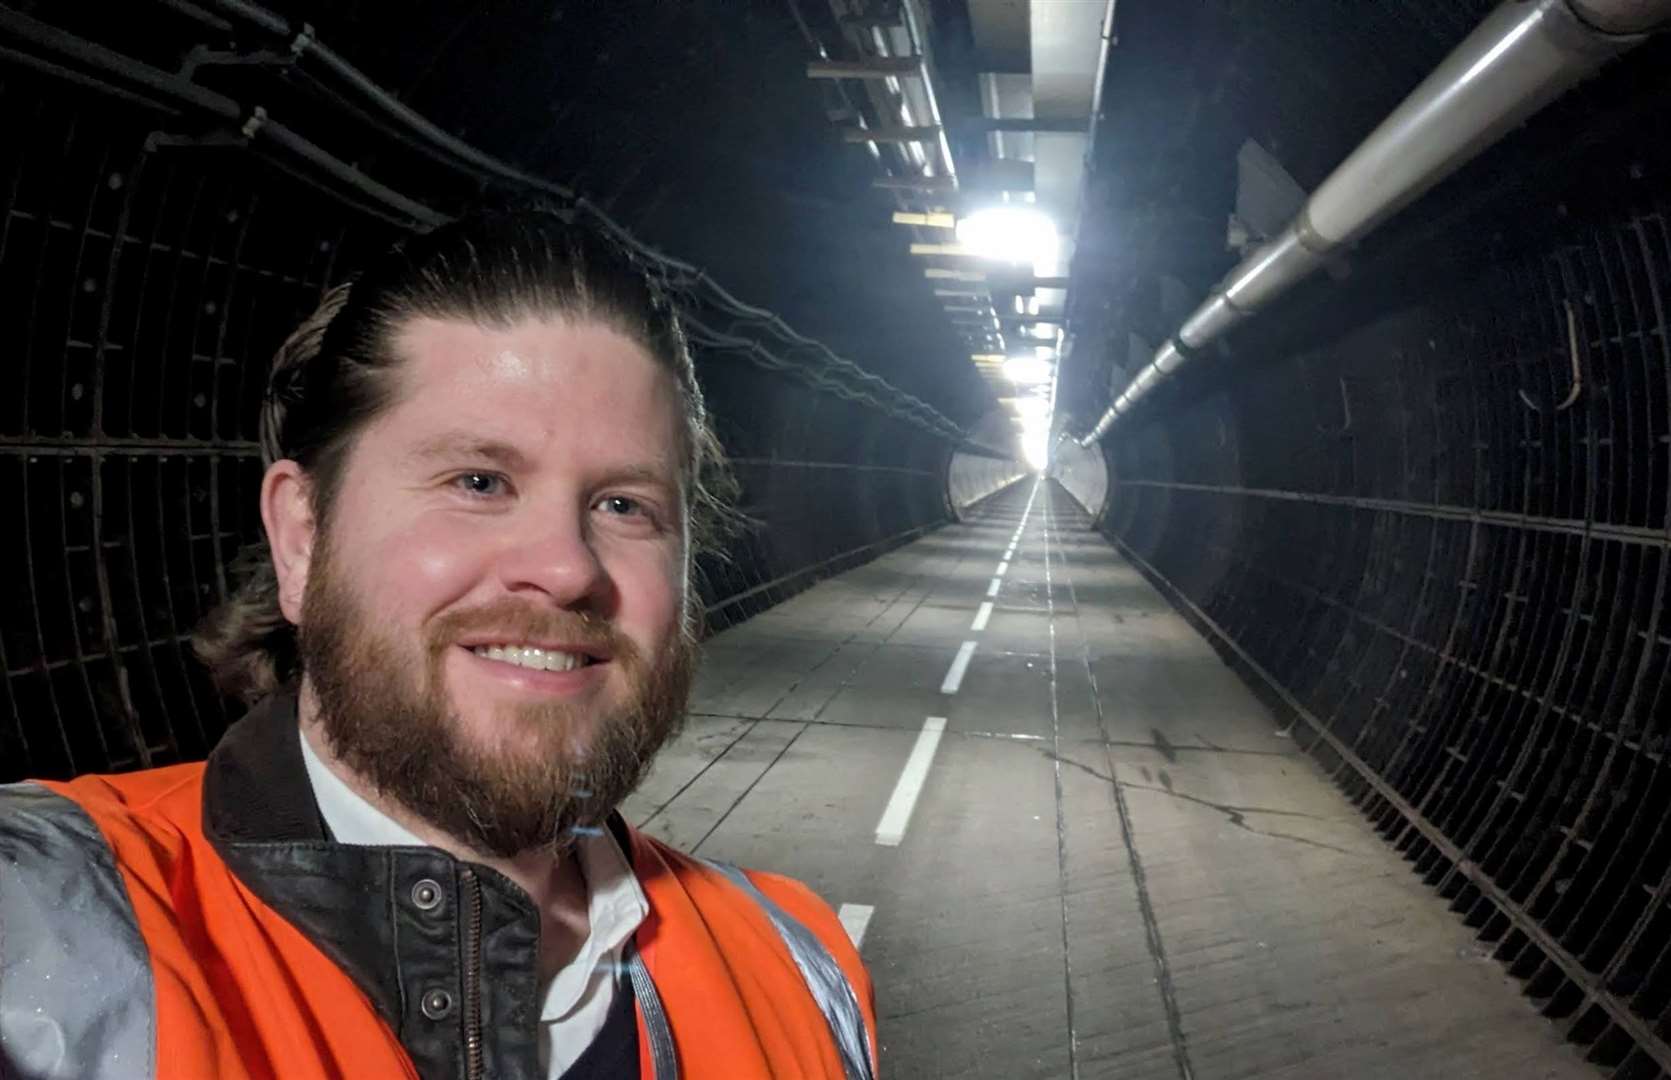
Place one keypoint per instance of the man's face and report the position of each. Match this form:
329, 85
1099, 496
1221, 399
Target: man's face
522, 493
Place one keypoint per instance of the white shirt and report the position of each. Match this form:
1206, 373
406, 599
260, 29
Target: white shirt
577, 998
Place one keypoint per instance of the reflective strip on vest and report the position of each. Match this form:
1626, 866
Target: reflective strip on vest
664, 1060
76, 1000
823, 976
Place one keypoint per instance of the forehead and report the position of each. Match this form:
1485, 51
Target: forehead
553, 382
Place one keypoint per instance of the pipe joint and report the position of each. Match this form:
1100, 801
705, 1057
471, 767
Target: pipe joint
1172, 356
1212, 320
1306, 234
1272, 269
1627, 19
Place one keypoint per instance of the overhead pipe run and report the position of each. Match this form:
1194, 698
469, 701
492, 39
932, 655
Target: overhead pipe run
1524, 55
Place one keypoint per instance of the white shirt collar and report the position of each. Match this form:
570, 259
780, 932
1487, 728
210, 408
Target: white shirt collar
616, 903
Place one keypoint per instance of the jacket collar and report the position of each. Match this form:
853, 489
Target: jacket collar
359, 905
255, 787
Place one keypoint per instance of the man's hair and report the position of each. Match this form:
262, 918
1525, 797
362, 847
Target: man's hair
337, 372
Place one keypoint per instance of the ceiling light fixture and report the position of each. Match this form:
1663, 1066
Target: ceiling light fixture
1010, 233
1027, 370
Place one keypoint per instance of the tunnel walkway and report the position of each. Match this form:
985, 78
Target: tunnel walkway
1069, 838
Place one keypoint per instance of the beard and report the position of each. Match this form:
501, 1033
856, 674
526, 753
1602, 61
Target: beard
543, 771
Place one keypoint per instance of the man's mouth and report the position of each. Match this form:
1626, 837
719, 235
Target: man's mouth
539, 659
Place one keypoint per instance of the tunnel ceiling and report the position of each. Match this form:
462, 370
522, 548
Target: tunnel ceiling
692, 124
697, 127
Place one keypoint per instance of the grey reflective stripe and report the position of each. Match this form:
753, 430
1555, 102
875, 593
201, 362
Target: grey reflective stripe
823, 976
76, 999
662, 1058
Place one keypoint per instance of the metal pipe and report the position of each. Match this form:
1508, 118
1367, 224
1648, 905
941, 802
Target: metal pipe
303, 43
256, 122
1521, 57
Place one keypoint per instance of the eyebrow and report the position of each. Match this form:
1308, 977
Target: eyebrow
643, 474
463, 444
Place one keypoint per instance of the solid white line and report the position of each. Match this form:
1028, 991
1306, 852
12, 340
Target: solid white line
891, 829
854, 919
982, 615
992, 589
960, 664
1003, 567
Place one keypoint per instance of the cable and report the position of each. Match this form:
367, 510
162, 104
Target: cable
677, 273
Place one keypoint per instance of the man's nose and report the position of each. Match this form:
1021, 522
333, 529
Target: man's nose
553, 553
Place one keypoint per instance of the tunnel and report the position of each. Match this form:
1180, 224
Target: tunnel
1225, 640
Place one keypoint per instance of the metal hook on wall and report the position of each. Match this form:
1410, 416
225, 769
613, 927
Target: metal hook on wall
1577, 371
1346, 413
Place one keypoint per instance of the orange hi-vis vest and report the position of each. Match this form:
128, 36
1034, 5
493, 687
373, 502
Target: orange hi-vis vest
197, 921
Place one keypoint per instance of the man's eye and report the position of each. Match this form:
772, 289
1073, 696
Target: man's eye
480, 484
622, 505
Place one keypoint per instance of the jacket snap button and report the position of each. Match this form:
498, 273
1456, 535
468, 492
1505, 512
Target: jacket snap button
437, 1004
426, 895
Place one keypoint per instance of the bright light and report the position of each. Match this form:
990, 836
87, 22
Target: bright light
1026, 370
1011, 233
1035, 447
1031, 409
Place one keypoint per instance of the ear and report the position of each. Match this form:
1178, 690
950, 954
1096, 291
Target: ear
287, 512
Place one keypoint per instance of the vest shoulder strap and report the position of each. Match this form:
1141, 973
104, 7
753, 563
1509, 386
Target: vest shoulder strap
76, 996
823, 975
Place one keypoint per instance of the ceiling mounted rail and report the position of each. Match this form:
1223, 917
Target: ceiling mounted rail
1521, 57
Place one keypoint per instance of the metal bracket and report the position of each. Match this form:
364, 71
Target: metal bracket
202, 56
1346, 412
1577, 372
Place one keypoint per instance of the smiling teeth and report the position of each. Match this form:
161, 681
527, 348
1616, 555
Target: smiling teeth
539, 659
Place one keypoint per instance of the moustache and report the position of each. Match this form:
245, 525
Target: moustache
506, 621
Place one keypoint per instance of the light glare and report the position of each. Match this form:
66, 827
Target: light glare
1010, 233
1035, 446
1026, 370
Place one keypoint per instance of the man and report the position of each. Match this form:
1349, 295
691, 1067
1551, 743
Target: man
468, 634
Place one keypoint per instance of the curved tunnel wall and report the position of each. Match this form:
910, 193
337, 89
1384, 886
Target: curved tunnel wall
144, 289
1083, 472
1455, 586
973, 477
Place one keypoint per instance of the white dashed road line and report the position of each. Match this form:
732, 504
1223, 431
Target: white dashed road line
855, 918
891, 829
960, 664
981, 616
992, 589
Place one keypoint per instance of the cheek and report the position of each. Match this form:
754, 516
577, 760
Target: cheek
413, 573
650, 586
